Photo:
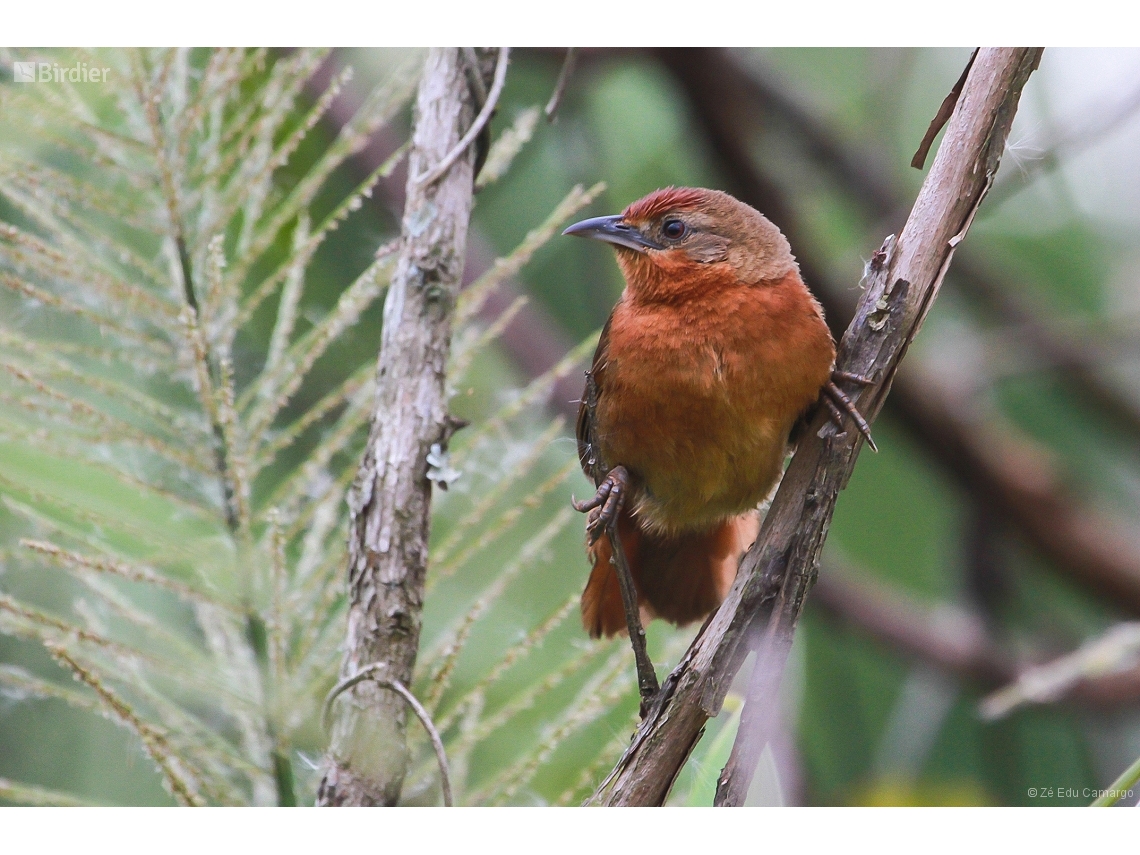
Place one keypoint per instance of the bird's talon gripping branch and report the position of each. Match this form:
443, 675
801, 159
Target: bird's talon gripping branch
606, 503
858, 379
833, 395
835, 414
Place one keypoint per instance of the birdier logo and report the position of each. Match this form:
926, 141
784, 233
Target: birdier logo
53, 72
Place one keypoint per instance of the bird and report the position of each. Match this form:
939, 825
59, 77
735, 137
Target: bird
714, 350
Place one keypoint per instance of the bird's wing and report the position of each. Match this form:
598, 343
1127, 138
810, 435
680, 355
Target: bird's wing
587, 446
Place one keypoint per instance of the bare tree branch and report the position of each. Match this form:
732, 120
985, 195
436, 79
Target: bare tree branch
951, 639
962, 174
776, 575
477, 126
1023, 485
1114, 653
551, 109
390, 500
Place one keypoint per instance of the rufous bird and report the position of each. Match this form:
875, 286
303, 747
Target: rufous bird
714, 351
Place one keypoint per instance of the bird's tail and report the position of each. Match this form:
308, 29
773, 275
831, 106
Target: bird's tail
680, 578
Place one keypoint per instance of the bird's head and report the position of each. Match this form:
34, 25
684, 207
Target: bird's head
679, 239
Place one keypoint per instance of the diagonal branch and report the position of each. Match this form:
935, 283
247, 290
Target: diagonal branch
904, 281
953, 640
765, 603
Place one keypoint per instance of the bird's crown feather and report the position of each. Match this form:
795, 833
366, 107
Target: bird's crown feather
664, 200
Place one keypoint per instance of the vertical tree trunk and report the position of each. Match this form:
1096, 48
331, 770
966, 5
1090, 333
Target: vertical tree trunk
390, 499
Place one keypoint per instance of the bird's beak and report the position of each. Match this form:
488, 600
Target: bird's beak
613, 230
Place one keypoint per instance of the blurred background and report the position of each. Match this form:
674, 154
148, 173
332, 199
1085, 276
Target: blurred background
968, 641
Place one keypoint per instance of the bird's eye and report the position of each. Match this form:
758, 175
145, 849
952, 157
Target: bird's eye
674, 229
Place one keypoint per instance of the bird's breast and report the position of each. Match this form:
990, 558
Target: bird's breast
697, 401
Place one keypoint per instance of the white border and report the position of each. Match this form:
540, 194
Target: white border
597, 23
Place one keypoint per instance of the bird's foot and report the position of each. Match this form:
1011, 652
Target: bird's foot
835, 398
606, 504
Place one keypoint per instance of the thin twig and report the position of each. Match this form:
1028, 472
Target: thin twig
369, 672
552, 105
476, 127
478, 86
646, 675
1115, 653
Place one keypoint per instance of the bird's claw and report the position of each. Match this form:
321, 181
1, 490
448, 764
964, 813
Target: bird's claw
606, 504
838, 403
858, 379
